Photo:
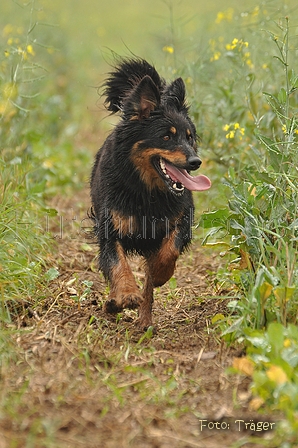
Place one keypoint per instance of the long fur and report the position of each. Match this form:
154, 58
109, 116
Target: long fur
136, 209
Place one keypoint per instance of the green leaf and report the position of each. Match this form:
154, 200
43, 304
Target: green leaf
173, 283
214, 219
258, 341
217, 317
87, 283
275, 155
52, 274
293, 78
209, 234
282, 95
234, 327
290, 355
276, 336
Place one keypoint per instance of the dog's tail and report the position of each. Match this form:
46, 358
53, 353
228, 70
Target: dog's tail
125, 75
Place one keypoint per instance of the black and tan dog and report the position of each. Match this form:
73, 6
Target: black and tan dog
141, 186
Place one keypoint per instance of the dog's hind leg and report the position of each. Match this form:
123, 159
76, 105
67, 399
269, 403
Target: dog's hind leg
124, 292
160, 268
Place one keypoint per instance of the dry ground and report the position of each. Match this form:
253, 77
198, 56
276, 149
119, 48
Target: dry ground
84, 379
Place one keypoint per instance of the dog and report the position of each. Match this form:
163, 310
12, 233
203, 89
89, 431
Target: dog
141, 189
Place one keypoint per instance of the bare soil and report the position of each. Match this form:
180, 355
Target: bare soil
83, 378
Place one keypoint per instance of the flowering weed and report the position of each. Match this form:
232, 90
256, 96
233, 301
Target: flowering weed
35, 156
244, 96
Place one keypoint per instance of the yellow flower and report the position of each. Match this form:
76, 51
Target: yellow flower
277, 374
256, 11
287, 343
225, 15
234, 129
215, 56
168, 49
230, 134
234, 44
30, 50
220, 17
284, 128
22, 53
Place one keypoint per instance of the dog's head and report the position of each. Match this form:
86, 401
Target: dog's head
165, 150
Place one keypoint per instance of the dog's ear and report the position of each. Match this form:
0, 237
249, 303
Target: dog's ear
143, 99
174, 96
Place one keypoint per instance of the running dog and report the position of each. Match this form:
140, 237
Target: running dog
141, 189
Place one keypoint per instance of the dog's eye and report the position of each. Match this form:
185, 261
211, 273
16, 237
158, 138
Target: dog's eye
166, 137
190, 139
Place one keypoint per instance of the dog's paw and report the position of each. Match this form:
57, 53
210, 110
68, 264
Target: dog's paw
112, 307
116, 305
131, 301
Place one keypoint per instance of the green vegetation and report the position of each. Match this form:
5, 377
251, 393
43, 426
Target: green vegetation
254, 144
239, 65
257, 114
261, 214
274, 356
37, 156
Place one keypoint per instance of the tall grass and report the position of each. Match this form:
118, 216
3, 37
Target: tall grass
36, 158
256, 147
249, 110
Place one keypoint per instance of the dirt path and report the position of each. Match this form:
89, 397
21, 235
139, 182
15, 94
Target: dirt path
89, 380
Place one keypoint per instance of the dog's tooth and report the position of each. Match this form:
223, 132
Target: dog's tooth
174, 185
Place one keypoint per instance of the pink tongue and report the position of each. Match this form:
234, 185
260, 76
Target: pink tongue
198, 183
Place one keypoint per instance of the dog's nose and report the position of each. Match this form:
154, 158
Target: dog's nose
194, 163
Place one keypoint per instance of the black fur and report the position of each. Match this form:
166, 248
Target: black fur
135, 209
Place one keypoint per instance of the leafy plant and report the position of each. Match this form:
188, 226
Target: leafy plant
81, 292
261, 218
272, 361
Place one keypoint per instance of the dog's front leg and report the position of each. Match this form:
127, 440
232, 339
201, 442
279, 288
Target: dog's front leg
160, 268
124, 292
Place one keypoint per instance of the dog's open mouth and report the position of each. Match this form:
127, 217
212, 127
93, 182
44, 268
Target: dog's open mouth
177, 179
